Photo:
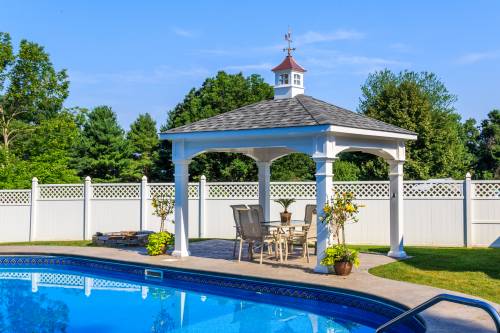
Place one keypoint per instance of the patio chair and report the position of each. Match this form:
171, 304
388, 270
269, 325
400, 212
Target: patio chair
311, 218
253, 232
237, 226
260, 212
307, 234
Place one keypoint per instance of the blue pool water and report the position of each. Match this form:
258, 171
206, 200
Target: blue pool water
76, 295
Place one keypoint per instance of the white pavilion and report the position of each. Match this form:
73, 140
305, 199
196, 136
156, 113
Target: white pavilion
291, 122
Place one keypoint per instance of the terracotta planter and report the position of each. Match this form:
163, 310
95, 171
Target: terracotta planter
286, 217
343, 268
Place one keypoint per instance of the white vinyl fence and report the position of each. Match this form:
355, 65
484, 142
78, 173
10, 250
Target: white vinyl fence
439, 213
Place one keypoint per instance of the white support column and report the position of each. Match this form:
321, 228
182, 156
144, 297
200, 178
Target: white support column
265, 188
468, 210
144, 204
33, 210
202, 196
87, 195
181, 208
324, 192
396, 212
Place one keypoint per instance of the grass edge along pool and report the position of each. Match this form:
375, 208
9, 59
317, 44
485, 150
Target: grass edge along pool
315, 298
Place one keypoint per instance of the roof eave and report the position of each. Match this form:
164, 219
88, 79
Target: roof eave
250, 133
373, 133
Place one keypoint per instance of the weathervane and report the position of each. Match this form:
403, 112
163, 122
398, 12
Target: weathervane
288, 38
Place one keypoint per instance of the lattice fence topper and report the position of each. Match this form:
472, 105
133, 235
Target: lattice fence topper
433, 189
293, 190
15, 197
168, 190
116, 191
486, 190
233, 190
364, 190
55, 192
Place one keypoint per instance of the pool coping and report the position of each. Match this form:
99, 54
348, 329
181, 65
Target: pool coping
306, 291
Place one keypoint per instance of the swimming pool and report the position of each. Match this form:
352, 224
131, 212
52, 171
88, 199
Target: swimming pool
74, 294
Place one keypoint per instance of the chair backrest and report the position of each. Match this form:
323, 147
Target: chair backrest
311, 219
259, 210
236, 216
250, 225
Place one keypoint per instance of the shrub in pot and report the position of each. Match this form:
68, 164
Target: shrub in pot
340, 259
159, 242
285, 216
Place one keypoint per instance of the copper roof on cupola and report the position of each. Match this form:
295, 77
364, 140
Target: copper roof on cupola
288, 63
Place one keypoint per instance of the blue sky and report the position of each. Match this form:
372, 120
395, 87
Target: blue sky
144, 56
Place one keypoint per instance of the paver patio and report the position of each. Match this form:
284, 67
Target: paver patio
216, 256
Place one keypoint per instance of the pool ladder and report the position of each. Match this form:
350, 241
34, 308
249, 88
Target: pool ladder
437, 299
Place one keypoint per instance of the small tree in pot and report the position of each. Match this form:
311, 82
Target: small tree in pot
286, 216
337, 213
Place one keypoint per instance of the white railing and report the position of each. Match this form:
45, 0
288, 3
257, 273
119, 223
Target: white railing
437, 212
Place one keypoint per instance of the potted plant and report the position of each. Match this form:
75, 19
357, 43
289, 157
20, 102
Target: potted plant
341, 259
337, 213
285, 216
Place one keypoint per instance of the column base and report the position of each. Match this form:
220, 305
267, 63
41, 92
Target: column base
321, 269
181, 253
399, 254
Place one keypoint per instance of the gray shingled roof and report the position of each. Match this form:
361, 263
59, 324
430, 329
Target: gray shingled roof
300, 110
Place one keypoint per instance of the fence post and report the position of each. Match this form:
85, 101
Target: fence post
468, 210
87, 195
144, 203
202, 195
33, 210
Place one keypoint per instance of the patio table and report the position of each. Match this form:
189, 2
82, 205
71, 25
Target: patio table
284, 230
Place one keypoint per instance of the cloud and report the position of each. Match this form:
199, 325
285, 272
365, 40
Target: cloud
162, 74
183, 32
475, 57
312, 37
249, 67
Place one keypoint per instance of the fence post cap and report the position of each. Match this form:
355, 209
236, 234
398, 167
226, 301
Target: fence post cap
34, 180
144, 178
87, 179
467, 175
203, 177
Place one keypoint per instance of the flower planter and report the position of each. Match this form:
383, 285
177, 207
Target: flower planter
343, 268
286, 217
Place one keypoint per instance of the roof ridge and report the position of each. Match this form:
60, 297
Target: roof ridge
309, 112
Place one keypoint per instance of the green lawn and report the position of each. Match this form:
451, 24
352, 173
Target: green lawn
470, 271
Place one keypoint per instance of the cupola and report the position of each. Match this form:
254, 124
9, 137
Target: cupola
289, 75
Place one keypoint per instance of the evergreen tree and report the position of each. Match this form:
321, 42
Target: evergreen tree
488, 164
103, 153
421, 103
144, 144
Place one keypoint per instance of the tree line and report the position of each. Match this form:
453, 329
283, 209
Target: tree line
42, 138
